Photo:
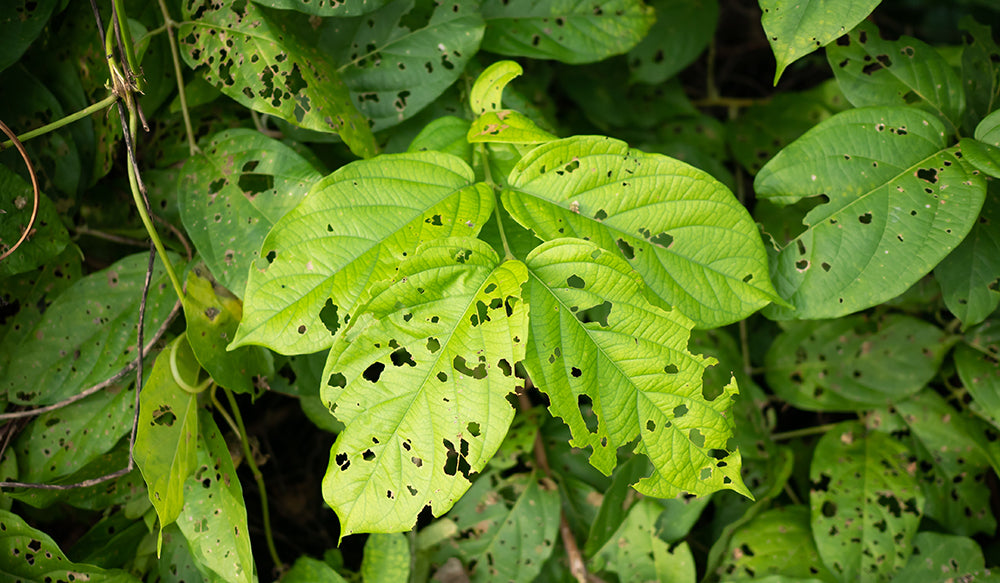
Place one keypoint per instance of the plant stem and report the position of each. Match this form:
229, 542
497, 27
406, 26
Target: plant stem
256, 476
488, 176
89, 110
804, 432
121, 25
175, 56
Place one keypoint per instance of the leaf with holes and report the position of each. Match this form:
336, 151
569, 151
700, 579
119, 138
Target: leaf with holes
853, 363
980, 373
399, 59
167, 434
214, 519
682, 30
48, 237
776, 542
970, 275
953, 460
898, 200
421, 383
865, 503
88, 334
944, 557
565, 30
636, 552
872, 71
31, 555
595, 340
507, 127
796, 29
692, 242
338, 8
351, 231
231, 195
507, 527
246, 54
212, 315
22, 22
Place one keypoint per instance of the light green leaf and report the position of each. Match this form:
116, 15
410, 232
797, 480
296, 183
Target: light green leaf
175, 561
507, 527
507, 127
421, 383
776, 542
865, 503
212, 315
692, 242
351, 231
872, 71
565, 30
596, 341
980, 374
246, 54
88, 334
487, 91
61, 442
682, 30
854, 363
445, 134
898, 202
48, 235
31, 556
309, 570
386, 559
796, 28
982, 157
339, 8
943, 557
398, 60
233, 192
214, 519
167, 434
636, 552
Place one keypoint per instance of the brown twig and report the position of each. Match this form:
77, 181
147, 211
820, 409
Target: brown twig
34, 186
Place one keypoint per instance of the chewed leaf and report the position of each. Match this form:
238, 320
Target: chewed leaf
352, 230
692, 242
339, 8
682, 30
865, 503
898, 201
232, 194
776, 542
487, 91
48, 236
597, 343
507, 127
422, 383
571, 32
944, 557
250, 57
796, 29
872, 71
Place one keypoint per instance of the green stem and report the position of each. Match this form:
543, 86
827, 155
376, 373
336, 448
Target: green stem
144, 215
488, 176
170, 24
265, 514
804, 432
89, 110
126, 34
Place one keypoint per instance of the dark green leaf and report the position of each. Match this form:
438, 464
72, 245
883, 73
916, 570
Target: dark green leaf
682, 30
980, 70
21, 21
637, 553
942, 557
776, 542
338, 8
48, 236
980, 373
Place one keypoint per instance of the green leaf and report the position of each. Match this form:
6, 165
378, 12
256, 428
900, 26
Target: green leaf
943, 557
111, 542
420, 382
988, 130
386, 559
866, 503
980, 374
167, 434
231, 195
244, 52
564, 30
31, 556
88, 334
980, 70
176, 563
507, 527
796, 29
397, 61
692, 242
351, 231
682, 30
983, 157
636, 553
616, 503
872, 71
48, 235
854, 363
487, 91
507, 127
445, 134
596, 341
20, 23
338, 8
60, 442
212, 315
214, 519
970, 275
898, 201
776, 542
309, 570
26, 297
